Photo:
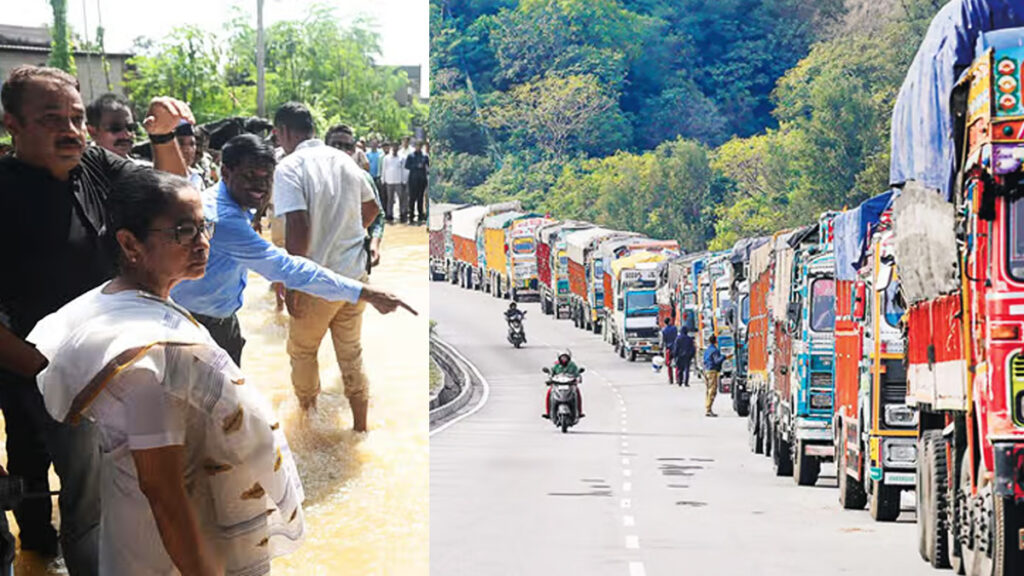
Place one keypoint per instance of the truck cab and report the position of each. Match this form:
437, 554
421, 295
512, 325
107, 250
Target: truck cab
632, 322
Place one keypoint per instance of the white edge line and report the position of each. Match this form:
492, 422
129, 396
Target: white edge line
475, 409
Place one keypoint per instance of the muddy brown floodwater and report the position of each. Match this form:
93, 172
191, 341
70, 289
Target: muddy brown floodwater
367, 496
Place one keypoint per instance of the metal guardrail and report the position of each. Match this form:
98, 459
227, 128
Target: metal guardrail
458, 383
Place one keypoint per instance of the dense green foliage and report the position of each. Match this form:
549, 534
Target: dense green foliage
699, 121
61, 55
315, 61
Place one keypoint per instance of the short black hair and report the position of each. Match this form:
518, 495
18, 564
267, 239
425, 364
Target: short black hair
108, 102
668, 321
137, 199
294, 116
247, 148
713, 339
13, 90
342, 128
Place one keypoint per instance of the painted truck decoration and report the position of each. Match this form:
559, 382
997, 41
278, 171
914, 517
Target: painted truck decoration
887, 340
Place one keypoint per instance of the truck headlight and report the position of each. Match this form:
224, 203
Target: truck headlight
900, 415
905, 453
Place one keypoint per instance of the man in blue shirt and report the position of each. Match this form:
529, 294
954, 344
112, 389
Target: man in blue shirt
668, 339
713, 360
235, 248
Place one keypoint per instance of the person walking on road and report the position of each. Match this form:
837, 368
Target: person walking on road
713, 360
668, 340
683, 350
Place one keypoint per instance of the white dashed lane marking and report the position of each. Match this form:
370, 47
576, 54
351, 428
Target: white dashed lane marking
637, 569
632, 542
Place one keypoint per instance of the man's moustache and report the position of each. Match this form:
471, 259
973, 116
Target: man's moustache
69, 143
123, 143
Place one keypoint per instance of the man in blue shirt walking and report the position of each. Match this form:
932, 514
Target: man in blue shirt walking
235, 248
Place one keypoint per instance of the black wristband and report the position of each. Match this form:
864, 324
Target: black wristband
161, 138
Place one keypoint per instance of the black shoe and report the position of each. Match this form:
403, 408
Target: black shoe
711, 415
583, 415
547, 416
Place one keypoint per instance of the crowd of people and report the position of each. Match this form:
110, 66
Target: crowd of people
120, 347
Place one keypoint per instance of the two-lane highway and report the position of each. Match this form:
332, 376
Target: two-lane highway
644, 485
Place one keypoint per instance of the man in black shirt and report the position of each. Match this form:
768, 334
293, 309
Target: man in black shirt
52, 192
417, 164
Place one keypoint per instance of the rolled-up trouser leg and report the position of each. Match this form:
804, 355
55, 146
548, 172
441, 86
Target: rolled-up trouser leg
668, 365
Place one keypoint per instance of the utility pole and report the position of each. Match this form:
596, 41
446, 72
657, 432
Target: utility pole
260, 105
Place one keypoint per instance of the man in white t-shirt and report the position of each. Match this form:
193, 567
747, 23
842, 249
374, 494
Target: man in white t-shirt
328, 203
391, 168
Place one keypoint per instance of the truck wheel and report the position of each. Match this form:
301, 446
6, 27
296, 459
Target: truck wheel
851, 492
781, 457
743, 408
754, 432
765, 434
805, 468
597, 327
632, 355
514, 295
884, 502
932, 506
1007, 520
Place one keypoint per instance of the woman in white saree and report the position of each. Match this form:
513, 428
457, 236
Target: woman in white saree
197, 477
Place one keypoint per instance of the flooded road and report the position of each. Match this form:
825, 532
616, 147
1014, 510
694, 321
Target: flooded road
367, 496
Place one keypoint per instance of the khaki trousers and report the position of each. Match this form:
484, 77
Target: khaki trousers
316, 317
711, 377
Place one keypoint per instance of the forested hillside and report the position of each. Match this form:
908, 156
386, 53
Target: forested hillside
703, 121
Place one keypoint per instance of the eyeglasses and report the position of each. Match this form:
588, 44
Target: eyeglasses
118, 128
190, 231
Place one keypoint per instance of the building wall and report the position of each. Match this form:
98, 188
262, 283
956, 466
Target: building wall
90, 69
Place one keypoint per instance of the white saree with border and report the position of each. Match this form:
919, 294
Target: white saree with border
244, 483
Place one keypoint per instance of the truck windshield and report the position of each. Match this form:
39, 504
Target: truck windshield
893, 310
823, 301
640, 301
1016, 235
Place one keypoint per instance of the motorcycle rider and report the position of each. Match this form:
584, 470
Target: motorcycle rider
514, 313
564, 365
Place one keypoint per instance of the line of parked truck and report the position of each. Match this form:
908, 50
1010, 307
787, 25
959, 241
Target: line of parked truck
886, 341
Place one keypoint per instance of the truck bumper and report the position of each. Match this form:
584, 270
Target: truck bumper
1009, 469
814, 431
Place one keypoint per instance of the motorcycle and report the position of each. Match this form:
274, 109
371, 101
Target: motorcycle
516, 335
563, 400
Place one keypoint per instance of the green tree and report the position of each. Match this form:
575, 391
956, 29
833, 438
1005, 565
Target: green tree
61, 55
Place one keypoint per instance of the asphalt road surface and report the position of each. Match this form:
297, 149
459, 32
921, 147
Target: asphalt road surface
645, 485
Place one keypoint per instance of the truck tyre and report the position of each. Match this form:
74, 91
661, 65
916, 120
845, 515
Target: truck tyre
754, 432
766, 435
851, 491
514, 295
632, 355
1007, 520
805, 468
782, 459
932, 506
884, 502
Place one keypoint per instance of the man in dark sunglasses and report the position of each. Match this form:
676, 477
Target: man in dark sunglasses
110, 123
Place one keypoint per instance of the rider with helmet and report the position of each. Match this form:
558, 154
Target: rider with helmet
513, 313
564, 365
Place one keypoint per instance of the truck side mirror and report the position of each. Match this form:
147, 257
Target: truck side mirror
859, 300
582, 370
793, 317
546, 370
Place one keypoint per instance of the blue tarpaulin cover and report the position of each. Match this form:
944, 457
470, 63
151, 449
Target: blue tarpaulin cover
922, 127
850, 230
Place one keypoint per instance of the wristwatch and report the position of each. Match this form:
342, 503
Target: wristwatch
161, 138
